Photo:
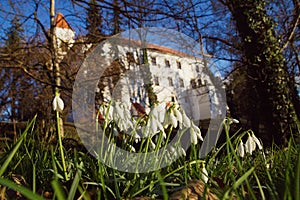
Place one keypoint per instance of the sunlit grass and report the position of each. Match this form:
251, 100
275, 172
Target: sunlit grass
270, 173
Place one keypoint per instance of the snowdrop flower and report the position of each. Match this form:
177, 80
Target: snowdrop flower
256, 140
173, 119
122, 117
197, 131
241, 150
185, 120
58, 104
251, 143
131, 148
204, 174
194, 139
178, 115
235, 121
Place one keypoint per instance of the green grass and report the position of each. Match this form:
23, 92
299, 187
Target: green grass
272, 173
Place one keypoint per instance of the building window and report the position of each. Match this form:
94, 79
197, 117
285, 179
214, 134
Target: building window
193, 83
170, 81
143, 54
178, 65
181, 83
153, 60
167, 63
156, 81
197, 68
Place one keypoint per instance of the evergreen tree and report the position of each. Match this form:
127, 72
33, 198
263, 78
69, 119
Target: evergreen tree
94, 21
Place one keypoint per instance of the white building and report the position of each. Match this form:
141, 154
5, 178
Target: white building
173, 75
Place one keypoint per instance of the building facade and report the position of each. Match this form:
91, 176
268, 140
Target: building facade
173, 76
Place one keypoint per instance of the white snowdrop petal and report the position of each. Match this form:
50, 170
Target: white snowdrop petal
160, 126
54, 103
161, 115
197, 131
183, 152
131, 148
58, 104
204, 175
235, 121
154, 112
249, 147
256, 140
172, 149
119, 111
152, 144
178, 115
241, 150
194, 139
173, 120
153, 126
185, 120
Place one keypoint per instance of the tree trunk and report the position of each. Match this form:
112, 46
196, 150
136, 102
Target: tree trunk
268, 79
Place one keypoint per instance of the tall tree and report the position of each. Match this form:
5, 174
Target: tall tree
14, 48
94, 21
268, 81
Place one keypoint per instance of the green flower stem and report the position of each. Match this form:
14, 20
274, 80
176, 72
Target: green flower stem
60, 141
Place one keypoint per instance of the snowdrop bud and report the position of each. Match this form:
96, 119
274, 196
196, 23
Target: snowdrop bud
58, 104
235, 121
241, 150
256, 140
204, 175
194, 139
173, 119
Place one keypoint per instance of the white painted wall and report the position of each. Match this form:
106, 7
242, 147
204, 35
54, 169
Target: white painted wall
195, 101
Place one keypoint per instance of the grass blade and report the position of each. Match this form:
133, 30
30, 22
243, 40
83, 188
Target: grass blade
75, 183
58, 190
243, 178
15, 149
23, 190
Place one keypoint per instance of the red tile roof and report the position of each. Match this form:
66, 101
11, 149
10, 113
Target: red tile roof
61, 22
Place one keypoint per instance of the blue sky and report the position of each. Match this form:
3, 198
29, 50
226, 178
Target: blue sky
25, 9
